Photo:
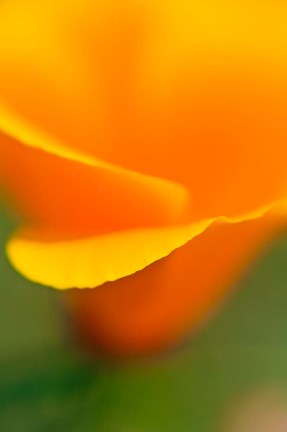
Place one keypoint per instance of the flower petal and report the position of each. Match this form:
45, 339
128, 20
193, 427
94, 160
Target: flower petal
42, 75
150, 309
194, 92
89, 262
67, 193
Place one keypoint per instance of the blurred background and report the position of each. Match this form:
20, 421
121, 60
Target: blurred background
230, 375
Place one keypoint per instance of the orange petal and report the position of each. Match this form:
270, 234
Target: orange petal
148, 310
194, 92
154, 88
69, 195
43, 75
48, 258
89, 262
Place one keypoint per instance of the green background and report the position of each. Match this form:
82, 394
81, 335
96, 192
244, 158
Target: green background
47, 384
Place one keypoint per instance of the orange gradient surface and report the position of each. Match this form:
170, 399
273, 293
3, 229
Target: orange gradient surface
144, 145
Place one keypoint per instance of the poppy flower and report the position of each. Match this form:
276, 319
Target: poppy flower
144, 146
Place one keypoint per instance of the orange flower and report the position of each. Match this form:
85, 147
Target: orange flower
144, 143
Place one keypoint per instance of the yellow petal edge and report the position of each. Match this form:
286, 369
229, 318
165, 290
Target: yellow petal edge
90, 262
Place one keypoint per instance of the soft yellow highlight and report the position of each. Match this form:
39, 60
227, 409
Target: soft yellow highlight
90, 262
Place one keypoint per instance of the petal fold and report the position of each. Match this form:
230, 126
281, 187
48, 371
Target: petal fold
66, 192
89, 262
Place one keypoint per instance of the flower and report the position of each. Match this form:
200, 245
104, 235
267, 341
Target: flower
144, 145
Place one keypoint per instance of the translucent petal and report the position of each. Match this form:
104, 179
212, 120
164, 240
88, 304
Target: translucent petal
89, 262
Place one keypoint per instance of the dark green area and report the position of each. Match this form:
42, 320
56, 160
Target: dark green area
46, 384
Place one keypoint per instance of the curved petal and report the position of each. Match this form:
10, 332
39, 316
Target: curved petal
42, 74
68, 193
150, 309
194, 92
89, 262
